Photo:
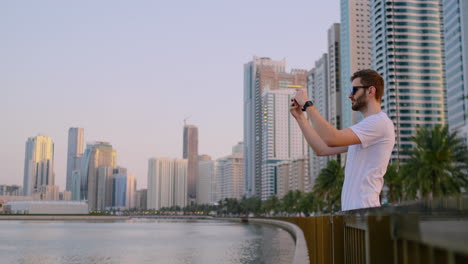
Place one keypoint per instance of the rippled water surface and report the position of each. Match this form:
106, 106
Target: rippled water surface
143, 241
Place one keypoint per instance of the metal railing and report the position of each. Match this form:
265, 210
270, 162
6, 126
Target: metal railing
431, 232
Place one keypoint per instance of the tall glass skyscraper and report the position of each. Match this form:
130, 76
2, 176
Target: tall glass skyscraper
74, 153
355, 49
38, 164
190, 152
407, 50
261, 74
98, 163
456, 61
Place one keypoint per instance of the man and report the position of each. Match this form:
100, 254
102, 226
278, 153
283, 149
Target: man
369, 143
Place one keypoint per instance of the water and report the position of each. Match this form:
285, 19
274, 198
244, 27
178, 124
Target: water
143, 241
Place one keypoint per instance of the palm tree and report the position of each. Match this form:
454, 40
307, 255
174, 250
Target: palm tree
290, 201
437, 165
394, 182
307, 203
328, 185
271, 205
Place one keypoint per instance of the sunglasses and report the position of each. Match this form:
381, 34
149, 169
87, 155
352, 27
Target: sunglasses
356, 88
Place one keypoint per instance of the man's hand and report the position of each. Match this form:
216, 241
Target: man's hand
301, 97
296, 110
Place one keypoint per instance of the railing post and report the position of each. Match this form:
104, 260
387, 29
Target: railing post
379, 244
324, 239
338, 239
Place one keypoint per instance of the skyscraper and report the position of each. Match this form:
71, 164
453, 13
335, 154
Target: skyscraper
261, 74
75, 151
190, 152
167, 182
180, 182
229, 173
456, 63
281, 137
38, 164
407, 51
124, 185
98, 163
318, 88
355, 50
206, 182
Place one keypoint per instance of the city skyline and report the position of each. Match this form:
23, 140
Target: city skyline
128, 77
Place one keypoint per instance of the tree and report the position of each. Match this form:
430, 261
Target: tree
250, 205
437, 165
307, 203
271, 205
394, 182
290, 202
328, 186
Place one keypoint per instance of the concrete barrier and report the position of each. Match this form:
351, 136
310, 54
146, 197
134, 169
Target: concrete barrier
301, 255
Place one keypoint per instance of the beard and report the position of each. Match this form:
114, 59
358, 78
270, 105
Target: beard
360, 103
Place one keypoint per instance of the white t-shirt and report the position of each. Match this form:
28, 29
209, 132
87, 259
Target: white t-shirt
366, 163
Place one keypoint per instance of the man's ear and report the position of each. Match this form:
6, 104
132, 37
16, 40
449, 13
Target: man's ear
372, 90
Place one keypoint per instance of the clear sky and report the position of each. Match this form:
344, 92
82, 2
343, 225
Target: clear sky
129, 72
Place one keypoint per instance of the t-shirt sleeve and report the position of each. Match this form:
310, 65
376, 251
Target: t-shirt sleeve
369, 131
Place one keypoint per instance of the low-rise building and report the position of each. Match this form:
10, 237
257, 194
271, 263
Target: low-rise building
46, 207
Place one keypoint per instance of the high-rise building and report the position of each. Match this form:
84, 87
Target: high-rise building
206, 184
261, 74
124, 186
238, 148
252, 125
76, 185
334, 78
180, 182
142, 199
229, 173
190, 152
281, 137
293, 175
456, 63
318, 87
38, 164
10, 190
98, 163
74, 153
355, 51
407, 50
167, 182
48, 192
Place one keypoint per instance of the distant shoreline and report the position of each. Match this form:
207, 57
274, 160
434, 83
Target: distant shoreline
63, 217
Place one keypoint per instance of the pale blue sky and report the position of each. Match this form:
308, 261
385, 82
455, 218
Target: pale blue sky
129, 72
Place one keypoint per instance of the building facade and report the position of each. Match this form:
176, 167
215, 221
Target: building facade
74, 153
281, 137
124, 186
408, 52
456, 61
206, 182
190, 152
10, 190
38, 164
98, 163
167, 183
293, 175
230, 176
355, 51
261, 74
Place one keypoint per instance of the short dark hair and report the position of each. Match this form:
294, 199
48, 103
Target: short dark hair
371, 78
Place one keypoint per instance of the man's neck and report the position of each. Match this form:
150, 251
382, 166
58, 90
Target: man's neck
371, 109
